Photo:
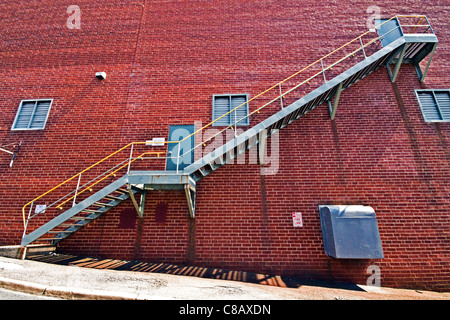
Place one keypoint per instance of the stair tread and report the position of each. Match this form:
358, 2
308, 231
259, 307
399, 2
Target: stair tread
103, 204
63, 231
90, 211
112, 198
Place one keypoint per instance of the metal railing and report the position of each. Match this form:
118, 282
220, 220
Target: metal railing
362, 47
273, 94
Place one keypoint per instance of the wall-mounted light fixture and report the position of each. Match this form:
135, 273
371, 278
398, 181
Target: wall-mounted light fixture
100, 75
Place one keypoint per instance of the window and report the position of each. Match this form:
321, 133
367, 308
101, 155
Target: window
222, 104
435, 104
32, 115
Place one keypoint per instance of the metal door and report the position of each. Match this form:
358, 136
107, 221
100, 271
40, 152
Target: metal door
178, 133
389, 31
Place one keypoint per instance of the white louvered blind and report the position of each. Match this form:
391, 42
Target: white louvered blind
225, 103
32, 115
435, 105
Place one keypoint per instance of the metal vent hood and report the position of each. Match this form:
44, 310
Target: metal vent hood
350, 232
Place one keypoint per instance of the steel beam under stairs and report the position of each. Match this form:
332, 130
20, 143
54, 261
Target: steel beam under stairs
166, 180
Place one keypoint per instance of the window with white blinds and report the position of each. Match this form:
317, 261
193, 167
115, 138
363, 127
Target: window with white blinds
223, 104
435, 104
32, 115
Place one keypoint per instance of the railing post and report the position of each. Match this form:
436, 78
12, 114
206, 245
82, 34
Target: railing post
131, 156
429, 25
323, 71
235, 115
178, 155
362, 46
400, 26
76, 190
281, 96
28, 219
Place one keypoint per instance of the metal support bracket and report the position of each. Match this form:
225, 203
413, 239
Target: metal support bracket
142, 204
13, 153
421, 73
337, 96
136, 206
393, 76
190, 197
7, 151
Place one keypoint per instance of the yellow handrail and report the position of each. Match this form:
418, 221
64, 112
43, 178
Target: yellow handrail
88, 168
110, 174
231, 111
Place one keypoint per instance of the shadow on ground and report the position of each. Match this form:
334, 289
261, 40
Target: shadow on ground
193, 271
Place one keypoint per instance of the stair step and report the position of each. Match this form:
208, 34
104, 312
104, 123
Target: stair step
71, 225
64, 231
82, 218
50, 239
102, 204
123, 191
113, 198
90, 211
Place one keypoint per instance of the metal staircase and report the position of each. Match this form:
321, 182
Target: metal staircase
396, 43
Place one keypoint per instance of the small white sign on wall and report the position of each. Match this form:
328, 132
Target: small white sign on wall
40, 208
156, 142
297, 219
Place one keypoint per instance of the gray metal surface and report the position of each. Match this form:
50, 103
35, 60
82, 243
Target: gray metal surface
389, 31
32, 114
350, 232
223, 103
435, 104
174, 150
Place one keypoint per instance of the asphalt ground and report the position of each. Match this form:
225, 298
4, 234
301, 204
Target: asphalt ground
74, 277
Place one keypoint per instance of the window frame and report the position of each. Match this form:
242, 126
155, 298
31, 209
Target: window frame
433, 91
36, 101
230, 95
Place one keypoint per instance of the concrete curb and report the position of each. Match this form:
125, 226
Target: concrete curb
65, 293
89, 283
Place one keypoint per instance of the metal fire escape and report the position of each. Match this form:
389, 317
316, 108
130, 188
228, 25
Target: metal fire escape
71, 205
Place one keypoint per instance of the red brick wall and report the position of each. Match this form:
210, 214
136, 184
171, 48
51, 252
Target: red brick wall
164, 60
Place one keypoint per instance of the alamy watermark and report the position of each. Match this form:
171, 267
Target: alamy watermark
375, 278
74, 19
374, 14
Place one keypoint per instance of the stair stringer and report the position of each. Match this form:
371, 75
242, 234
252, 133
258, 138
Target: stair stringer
317, 96
55, 222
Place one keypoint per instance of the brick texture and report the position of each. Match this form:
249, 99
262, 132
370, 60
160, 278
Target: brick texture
164, 60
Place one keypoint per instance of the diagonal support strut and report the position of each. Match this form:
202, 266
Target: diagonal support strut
393, 75
421, 73
337, 96
190, 197
139, 208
